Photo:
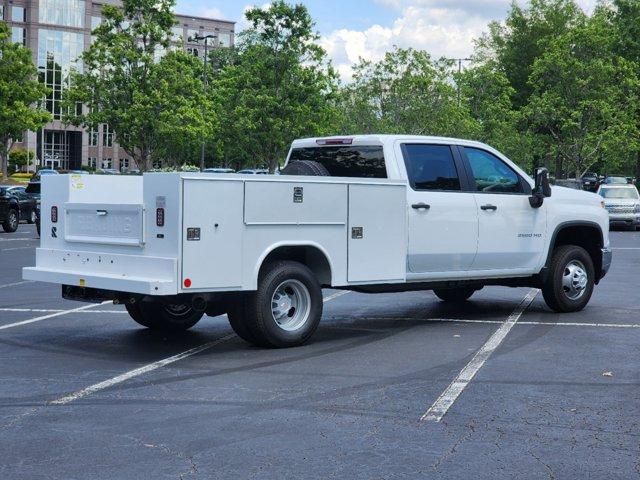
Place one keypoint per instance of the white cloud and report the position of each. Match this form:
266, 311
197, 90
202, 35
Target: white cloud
444, 28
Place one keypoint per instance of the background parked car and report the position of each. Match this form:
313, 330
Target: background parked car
574, 183
590, 181
9, 210
26, 203
219, 170
254, 171
44, 171
623, 204
616, 180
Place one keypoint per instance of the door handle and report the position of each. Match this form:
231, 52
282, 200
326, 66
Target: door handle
420, 206
489, 207
101, 213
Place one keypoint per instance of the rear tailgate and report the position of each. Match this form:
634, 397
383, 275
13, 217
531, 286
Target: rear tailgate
95, 234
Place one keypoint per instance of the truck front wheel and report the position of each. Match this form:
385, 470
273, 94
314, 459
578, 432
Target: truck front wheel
164, 317
285, 310
459, 294
570, 281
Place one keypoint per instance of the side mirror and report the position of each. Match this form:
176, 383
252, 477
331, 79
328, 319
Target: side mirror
542, 188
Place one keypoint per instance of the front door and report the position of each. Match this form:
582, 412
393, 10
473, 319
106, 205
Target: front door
512, 234
443, 219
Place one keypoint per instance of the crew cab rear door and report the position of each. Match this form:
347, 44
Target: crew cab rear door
511, 232
443, 217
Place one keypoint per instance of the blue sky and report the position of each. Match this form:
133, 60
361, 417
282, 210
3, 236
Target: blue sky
354, 29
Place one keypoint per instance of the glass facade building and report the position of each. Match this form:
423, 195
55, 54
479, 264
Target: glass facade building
57, 32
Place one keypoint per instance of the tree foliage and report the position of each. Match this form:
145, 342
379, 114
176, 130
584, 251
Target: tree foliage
19, 93
275, 86
129, 83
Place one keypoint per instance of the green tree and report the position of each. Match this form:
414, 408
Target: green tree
124, 85
275, 86
19, 93
626, 23
584, 97
405, 92
524, 36
487, 92
20, 157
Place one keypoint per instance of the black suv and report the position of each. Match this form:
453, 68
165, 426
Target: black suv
9, 210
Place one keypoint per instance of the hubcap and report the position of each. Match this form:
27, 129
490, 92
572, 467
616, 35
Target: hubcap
33, 217
13, 220
575, 280
291, 305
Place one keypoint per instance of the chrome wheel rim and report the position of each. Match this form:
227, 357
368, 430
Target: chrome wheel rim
33, 217
13, 220
575, 280
291, 305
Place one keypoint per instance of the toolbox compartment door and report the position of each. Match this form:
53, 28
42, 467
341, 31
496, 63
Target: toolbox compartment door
377, 233
212, 231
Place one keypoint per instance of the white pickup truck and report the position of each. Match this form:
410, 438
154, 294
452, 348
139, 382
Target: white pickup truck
365, 213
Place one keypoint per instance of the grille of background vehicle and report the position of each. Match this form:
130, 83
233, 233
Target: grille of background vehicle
620, 208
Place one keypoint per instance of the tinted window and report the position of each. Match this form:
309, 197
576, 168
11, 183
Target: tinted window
345, 161
628, 193
431, 167
492, 175
33, 187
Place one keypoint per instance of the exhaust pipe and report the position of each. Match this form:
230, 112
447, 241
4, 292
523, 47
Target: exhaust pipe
199, 303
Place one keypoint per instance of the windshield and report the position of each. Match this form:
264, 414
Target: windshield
626, 193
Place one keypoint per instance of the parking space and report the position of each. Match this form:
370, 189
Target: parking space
89, 394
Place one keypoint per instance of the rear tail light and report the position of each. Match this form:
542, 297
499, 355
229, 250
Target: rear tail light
160, 217
54, 214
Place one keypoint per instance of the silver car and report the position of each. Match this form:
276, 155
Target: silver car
623, 204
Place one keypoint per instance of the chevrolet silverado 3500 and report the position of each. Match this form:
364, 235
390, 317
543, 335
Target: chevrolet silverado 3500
365, 213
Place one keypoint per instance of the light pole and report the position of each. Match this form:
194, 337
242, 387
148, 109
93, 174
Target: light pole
197, 38
459, 60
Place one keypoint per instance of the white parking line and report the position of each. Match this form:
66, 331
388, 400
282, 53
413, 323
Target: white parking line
16, 248
335, 295
499, 322
54, 310
138, 371
626, 248
453, 391
52, 315
15, 284
154, 366
16, 239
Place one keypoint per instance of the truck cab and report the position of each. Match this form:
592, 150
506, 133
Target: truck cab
372, 213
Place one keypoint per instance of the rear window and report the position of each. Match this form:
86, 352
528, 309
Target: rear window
346, 161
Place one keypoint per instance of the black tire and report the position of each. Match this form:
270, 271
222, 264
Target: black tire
38, 227
236, 315
254, 318
305, 168
458, 294
570, 281
33, 217
11, 222
164, 317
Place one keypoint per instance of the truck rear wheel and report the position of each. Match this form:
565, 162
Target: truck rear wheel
459, 294
285, 310
569, 284
164, 317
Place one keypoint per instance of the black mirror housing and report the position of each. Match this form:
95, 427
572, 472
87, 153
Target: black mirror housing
542, 188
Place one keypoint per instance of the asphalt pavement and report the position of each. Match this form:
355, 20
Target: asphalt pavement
391, 386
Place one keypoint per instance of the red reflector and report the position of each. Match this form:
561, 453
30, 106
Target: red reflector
187, 282
54, 214
160, 217
335, 141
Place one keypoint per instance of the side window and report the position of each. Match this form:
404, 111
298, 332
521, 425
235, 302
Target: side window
431, 167
492, 175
